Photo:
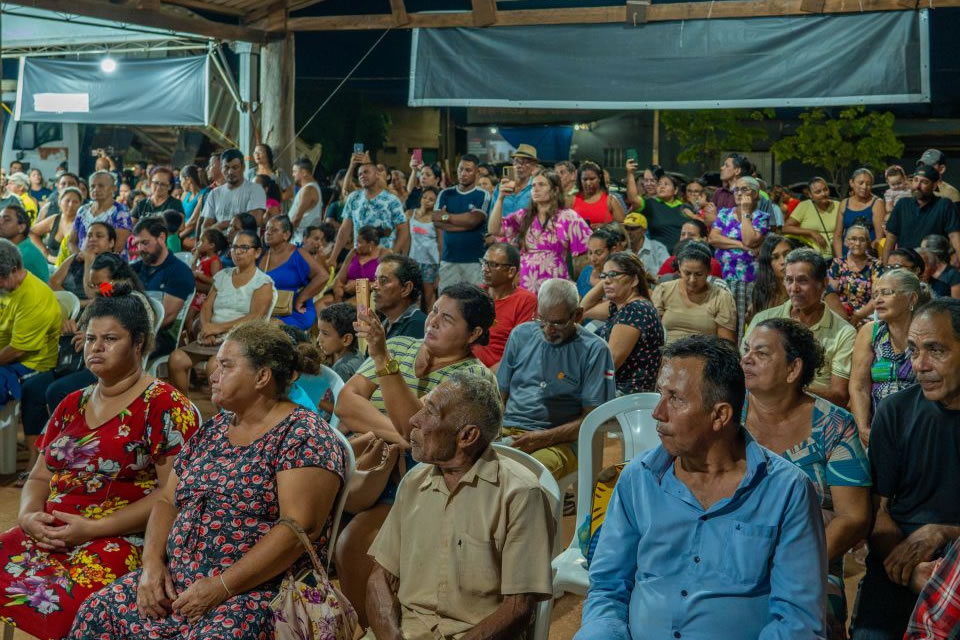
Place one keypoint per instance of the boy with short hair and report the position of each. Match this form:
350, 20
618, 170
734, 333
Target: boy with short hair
338, 339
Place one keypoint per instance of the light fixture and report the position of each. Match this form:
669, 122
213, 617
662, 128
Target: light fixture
493, 130
108, 65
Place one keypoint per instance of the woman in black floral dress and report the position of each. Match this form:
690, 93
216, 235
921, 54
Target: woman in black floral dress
213, 558
632, 329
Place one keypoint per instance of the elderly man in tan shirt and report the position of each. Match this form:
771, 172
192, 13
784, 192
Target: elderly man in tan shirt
465, 551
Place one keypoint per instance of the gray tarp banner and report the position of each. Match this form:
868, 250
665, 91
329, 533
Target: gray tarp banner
161, 91
867, 58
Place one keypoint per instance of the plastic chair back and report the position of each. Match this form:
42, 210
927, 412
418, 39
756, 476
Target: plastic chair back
69, 304
349, 468
315, 386
186, 257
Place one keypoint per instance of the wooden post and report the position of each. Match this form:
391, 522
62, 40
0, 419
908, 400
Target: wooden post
655, 155
277, 98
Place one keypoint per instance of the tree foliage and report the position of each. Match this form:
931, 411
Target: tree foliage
840, 143
706, 133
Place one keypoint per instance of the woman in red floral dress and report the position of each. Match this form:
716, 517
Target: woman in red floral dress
214, 556
107, 451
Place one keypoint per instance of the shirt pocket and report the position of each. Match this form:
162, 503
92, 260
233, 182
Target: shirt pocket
478, 565
748, 554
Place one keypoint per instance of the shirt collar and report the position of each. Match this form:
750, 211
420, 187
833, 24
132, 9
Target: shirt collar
658, 461
487, 467
412, 309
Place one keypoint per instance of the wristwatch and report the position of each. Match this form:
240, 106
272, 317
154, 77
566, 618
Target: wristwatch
391, 368
445, 217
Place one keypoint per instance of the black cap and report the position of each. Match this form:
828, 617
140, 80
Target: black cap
928, 172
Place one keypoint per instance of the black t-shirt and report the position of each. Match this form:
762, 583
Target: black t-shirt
145, 207
915, 459
911, 223
948, 278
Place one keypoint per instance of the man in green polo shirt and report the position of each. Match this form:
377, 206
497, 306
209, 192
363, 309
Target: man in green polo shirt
15, 227
805, 279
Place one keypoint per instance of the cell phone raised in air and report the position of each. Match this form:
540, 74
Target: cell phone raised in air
418, 156
633, 155
358, 147
510, 172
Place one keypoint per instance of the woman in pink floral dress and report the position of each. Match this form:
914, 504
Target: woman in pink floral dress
107, 451
546, 233
214, 554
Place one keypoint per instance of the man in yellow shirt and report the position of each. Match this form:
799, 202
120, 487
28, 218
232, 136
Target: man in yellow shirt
29, 323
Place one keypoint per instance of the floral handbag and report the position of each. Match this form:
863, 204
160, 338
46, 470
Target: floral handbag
308, 606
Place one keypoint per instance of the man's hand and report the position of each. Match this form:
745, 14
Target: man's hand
920, 546
532, 441
632, 166
437, 215
921, 574
369, 327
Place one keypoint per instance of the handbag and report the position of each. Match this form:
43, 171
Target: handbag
308, 606
69, 360
284, 306
375, 462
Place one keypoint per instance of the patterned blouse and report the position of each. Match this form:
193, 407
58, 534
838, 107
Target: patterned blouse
854, 286
545, 255
738, 264
638, 373
890, 371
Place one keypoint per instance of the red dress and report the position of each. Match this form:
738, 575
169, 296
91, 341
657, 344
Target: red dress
95, 473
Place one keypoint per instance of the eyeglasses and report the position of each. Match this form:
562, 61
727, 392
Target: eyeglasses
742, 190
885, 293
157, 183
241, 248
610, 275
554, 325
491, 264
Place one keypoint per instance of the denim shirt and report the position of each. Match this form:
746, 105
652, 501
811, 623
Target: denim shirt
750, 566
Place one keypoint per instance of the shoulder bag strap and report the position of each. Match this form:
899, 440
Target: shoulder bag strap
305, 541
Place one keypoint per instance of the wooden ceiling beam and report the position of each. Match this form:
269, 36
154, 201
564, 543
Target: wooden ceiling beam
484, 12
594, 15
399, 12
152, 18
207, 6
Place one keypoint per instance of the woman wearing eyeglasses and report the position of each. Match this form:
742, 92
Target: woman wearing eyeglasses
238, 294
739, 231
632, 329
852, 276
881, 365
160, 200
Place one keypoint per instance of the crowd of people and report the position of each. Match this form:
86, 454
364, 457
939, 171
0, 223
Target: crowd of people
805, 348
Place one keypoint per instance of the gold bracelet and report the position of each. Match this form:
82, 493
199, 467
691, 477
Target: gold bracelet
225, 587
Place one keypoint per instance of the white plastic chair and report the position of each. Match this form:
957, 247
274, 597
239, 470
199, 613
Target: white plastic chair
186, 257
69, 304
154, 368
9, 421
349, 468
315, 386
634, 415
540, 625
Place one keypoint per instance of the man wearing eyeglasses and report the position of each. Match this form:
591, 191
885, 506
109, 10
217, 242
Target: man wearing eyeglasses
499, 267
552, 374
160, 200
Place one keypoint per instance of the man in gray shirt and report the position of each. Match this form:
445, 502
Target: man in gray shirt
553, 373
235, 196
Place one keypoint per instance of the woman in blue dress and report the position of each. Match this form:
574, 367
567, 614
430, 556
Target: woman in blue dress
292, 269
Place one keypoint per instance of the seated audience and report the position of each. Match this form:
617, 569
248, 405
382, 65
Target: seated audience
74, 274
937, 615
691, 304
632, 327
338, 340
709, 535
496, 522
779, 362
107, 455
852, 276
101, 208
601, 244
915, 461
545, 232
553, 373
292, 269
592, 200
283, 462
396, 291
160, 198
805, 278
239, 293
861, 208
360, 263
910, 260
813, 221
881, 362
944, 277
651, 252
515, 306
50, 232
739, 231
163, 275
691, 230
15, 227
387, 391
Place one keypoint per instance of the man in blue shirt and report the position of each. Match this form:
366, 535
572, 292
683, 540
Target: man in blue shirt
525, 162
164, 276
552, 374
461, 212
709, 535
371, 204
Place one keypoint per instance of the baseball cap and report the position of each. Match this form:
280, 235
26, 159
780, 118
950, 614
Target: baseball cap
928, 172
932, 157
635, 220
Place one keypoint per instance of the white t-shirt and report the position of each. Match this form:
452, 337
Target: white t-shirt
223, 202
233, 302
311, 216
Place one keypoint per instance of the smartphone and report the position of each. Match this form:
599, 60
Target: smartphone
418, 156
633, 155
358, 147
363, 295
510, 172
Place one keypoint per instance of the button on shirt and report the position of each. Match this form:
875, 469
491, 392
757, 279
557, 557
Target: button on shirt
550, 384
751, 566
490, 537
384, 210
